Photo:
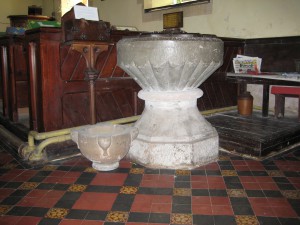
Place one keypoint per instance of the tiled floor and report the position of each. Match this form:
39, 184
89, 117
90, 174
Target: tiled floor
233, 190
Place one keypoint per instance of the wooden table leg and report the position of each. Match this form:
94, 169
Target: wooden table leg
265, 103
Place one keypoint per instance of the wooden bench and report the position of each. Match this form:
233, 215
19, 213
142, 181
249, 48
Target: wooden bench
281, 92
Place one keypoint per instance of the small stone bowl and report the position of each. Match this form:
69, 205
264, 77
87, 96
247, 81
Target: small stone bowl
104, 144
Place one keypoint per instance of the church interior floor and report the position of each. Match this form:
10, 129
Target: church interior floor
233, 190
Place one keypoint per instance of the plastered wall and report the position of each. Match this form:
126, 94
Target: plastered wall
14, 7
225, 18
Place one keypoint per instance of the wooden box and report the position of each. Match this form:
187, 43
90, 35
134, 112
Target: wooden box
81, 29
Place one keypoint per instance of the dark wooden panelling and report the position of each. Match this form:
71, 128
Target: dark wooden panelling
278, 54
59, 91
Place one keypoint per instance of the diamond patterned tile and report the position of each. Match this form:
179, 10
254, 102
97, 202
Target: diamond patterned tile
231, 191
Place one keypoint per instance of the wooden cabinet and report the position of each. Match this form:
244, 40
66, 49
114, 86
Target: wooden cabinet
15, 92
59, 89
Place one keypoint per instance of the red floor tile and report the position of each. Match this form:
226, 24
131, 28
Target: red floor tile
95, 201
37, 193
161, 199
125, 164
29, 220
294, 180
161, 208
92, 222
202, 209
259, 201
57, 173
201, 200
72, 174
162, 181
263, 179
5, 192
284, 212
28, 202
109, 179
238, 162
199, 185
60, 180
219, 200
142, 203
215, 179
247, 179
268, 186
278, 202
261, 210
222, 210
71, 222
241, 168
212, 166
251, 186
9, 220
198, 178
217, 185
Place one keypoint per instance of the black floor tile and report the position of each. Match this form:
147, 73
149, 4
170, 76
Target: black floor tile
217, 192
234, 186
255, 193
61, 187
181, 200
20, 193
77, 214
159, 218
138, 217
123, 202
67, 204
203, 219
289, 221
222, 220
200, 192
96, 215
268, 220
48, 221
45, 186
282, 186
36, 179
239, 201
182, 184
13, 185
272, 194
18, 211
242, 209
259, 173
11, 200
37, 212
133, 180
213, 173
181, 208
163, 191
198, 172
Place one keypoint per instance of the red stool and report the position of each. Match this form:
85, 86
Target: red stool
280, 93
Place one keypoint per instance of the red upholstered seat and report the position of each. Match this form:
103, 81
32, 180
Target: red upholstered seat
285, 90
281, 92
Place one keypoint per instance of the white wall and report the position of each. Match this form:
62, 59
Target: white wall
224, 18
14, 7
